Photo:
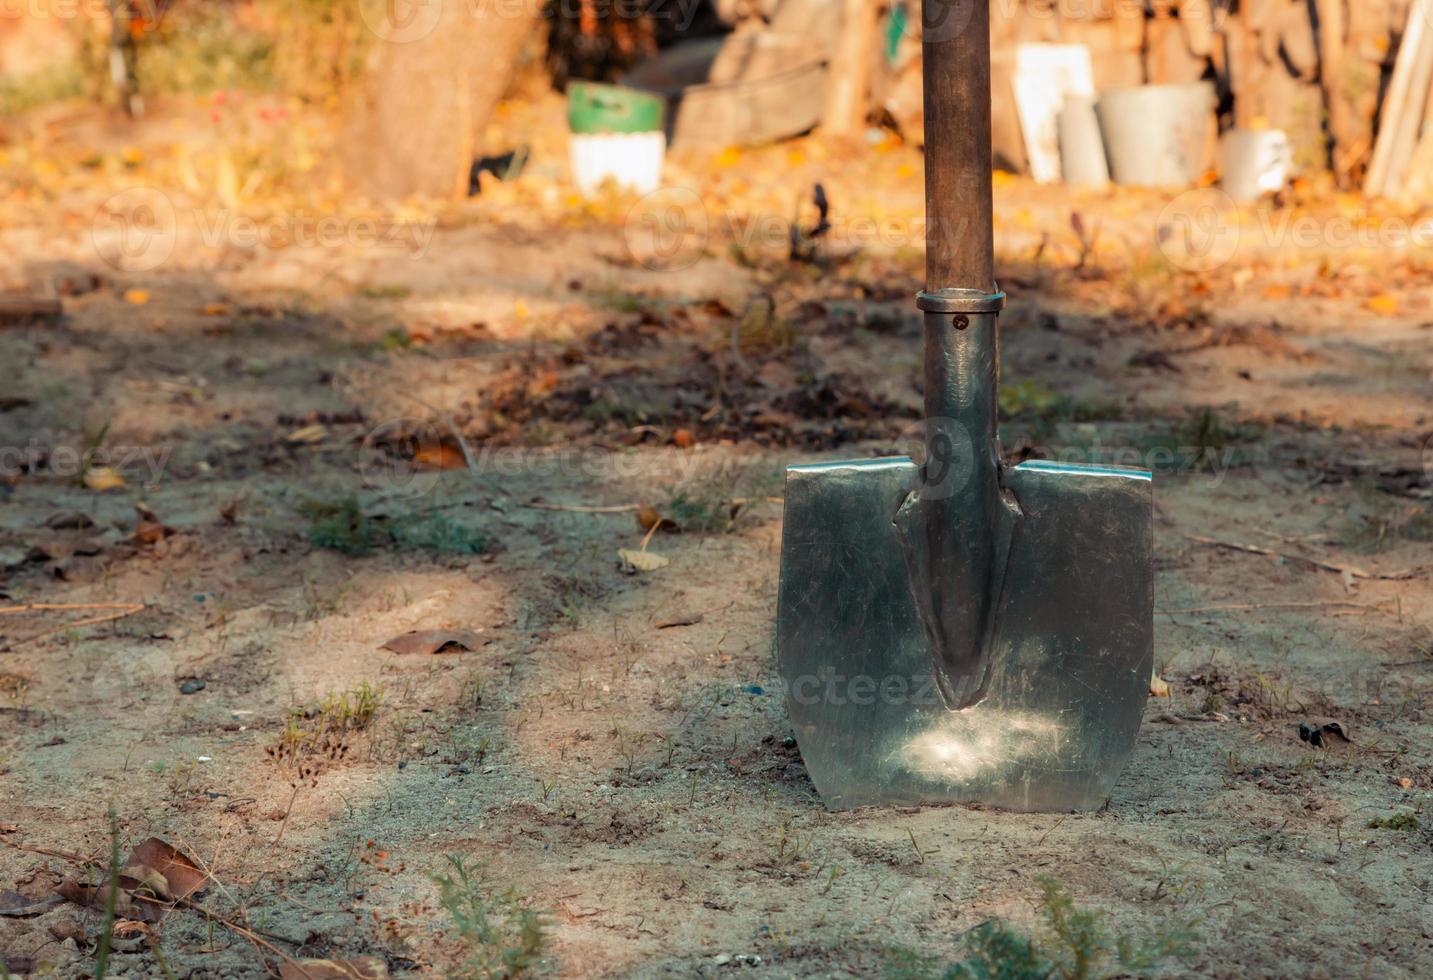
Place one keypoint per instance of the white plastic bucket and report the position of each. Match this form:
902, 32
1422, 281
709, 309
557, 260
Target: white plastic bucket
1255, 162
1157, 135
630, 160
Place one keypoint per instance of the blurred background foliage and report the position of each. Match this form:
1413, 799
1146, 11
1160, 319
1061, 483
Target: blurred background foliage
308, 49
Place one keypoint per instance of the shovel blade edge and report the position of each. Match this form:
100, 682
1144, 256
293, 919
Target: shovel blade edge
1073, 647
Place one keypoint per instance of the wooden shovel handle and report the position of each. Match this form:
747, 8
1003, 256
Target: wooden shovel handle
960, 234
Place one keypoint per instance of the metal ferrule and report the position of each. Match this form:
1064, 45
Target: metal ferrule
960, 301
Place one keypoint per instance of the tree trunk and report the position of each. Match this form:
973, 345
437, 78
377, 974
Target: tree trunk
434, 76
1332, 27
848, 77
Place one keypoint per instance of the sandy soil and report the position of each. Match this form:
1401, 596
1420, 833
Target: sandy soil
610, 750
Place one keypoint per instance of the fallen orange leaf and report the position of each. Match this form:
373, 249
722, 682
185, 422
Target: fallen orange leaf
102, 478
727, 158
1384, 305
439, 456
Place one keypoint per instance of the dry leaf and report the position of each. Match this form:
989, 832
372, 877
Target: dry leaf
1384, 305
181, 875
69, 520
140, 879
1158, 687
136, 296
154, 871
434, 641
641, 561
15, 904
684, 439
358, 968
690, 620
93, 896
229, 512
307, 436
650, 517
215, 309
439, 455
69, 929
1322, 733
149, 533
20, 965
130, 927
102, 478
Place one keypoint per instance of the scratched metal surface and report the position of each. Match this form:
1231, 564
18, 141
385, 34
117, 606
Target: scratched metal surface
1073, 646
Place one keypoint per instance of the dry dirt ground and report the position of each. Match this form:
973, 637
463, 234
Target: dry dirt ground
611, 750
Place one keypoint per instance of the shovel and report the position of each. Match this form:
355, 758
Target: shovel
961, 630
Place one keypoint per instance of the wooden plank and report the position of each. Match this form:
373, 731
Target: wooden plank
1332, 75
1243, 62
848, 79
1419, 186
1402, 108
1168, 58
1196, 19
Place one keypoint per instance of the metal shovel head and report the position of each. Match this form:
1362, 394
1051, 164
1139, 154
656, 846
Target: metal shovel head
1072, 648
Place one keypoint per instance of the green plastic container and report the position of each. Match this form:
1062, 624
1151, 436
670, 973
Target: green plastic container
593, 107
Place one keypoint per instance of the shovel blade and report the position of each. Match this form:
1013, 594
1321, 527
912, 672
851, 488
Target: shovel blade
1072, 656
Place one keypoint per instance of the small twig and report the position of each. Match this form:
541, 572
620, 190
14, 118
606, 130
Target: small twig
290, 809
1053, 828
122, 609
584, 508
128, 607
1253, 606
70, 856
1327, 566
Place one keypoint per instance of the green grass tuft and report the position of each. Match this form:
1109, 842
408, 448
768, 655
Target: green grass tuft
503, 938
1071, 943
342, 525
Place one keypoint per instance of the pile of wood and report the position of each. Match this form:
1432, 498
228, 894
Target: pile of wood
1341, 77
